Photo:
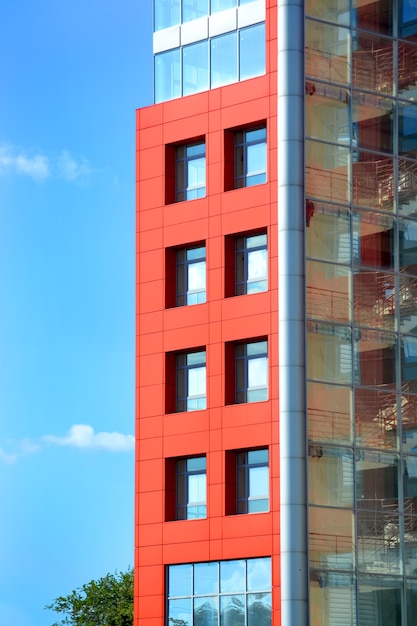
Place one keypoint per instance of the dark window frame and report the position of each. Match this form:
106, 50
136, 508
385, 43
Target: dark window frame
182, 381
183, 508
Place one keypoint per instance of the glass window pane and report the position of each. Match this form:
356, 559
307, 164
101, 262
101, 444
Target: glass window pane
256, 164
407, 62
408, 249
258, 482
329, 353
221, 5
372, 64
196, 358
196, 178
232, 610
167, 13
327, 52
375, 359
257, 456
331, 538
407, 127
373, 181
252, 53
328, 117
373, 122
409, 362
409, 419
328, 171
206, 578
232, 576
196, 463
374, 295
259, 574
328, 291
407, 188
330, 473
193, 9
195, 68
206, 612
180, 611
376, 480
379, 600
259, 609
376, 416
180, 580
223, 60
167, 75
330, 413
329, 591
337, 11
196, 488
197, 276
411, 598
328, 234
377, 241
256, 347
257, 372
377, 17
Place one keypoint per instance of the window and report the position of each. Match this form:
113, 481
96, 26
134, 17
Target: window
251, 264
224, 56
191, 276
193, 9
167, 75
226, 593
251, 371
252, 481
190, 174
250, 157
195, 68
191, 381
191, 488
166, 13
252, 53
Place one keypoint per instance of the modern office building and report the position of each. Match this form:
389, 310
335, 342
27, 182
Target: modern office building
276, 479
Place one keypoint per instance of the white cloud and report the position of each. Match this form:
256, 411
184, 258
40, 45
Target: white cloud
83, 436
6, 457
38, 166
16, 161
70, 169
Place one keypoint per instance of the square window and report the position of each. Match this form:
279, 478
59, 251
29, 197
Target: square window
250, 372
246, 267
190, 381
190, 171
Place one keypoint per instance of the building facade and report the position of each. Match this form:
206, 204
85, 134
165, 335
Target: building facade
276, 464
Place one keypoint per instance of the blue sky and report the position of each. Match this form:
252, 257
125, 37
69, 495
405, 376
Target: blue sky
72, 74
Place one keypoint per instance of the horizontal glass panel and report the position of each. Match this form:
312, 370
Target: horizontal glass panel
375, 359
196, 463
407, 70
329, 413
326, 55
376, 241
331, 538
327, 171
376, 480
380, 600
257, 456
376, 419
328, 291
373, 181
407, 187
252, 51
256, 347
328, 233
206, 578
372, 122
332, 598
329, 353
196, 358
330, 472
372, 63
167, 75
374, 295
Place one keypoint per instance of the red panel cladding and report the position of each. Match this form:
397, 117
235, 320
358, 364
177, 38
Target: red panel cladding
164, 329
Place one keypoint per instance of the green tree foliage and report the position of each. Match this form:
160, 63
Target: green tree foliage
107, 601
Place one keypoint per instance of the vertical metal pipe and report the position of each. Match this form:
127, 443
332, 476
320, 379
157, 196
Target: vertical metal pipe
291, 219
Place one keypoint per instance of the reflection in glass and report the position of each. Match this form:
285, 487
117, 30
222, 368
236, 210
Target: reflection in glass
167, 75
166, 13
407, 187
379, 600
373, 122
377, 17
376, 419
326, 54
328, 291
409, 423
259, 574
408, 253
232, 610
372, 64
329, 413
375, 299
331, 538
329, 591
180, 612
259, 609
180, 580
373, 181
232, 576
330, 12
223, 60
328, 115
377, 242
206, 578
409, 362
407, 70
411, 599
407, 129
376, 480
252, 51
193, 9
375, 360
195, 68
328, 234
410, 541
327, 171
329, 353
330, 472
379, 542
206, 611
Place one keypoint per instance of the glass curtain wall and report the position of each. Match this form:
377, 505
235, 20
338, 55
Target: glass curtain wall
361, 298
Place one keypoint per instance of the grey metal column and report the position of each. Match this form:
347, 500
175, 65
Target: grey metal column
291, 218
